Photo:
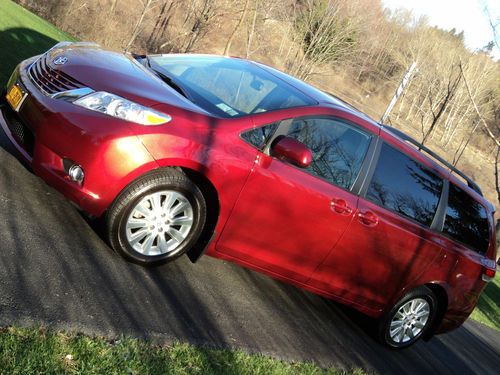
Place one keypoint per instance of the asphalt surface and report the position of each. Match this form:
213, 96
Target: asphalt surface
57, 272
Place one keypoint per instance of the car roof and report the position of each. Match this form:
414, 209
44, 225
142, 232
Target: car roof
322, 97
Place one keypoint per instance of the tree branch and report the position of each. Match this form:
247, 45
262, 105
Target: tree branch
485, 124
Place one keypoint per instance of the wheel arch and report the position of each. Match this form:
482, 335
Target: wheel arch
213, 209
442, 299
194, 172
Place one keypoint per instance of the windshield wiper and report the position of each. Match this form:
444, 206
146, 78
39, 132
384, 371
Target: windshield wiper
169, 80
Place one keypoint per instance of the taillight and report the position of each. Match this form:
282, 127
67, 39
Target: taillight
489, 269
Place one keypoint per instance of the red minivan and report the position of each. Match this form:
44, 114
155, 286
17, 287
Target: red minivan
200, 154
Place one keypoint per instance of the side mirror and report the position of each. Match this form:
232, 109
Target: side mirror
293, 151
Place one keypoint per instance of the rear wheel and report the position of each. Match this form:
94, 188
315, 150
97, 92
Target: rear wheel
157, 218
409, 319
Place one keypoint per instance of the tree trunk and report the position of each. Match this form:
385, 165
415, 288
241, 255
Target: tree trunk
236, 28
252, 31
137, 27
450, 92
485, 124
113, 6
497, 184
161, 25
458, 152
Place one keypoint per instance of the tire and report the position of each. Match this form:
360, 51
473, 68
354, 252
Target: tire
411, 318
165, 209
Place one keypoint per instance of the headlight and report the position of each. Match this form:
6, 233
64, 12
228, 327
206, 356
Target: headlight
116, 106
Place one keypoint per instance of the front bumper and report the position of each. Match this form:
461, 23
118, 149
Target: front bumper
47, 131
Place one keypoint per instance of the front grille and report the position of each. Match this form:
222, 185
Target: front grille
49, 80
23, 135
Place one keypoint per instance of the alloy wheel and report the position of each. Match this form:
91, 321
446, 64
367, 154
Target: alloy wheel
409, 321
159, 223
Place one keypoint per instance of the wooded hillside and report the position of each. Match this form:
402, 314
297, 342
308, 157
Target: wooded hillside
354, 49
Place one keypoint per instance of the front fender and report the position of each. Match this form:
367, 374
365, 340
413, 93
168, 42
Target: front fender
225, 161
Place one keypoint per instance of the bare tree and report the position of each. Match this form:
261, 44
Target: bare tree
113, 6
437, 110
494, 27
236, 28
251, 29
148, 5
465, 142
497, 184
203, 18
162, 22
488, 131
326, 34
485, 124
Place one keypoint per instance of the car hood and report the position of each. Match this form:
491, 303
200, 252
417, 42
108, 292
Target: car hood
114, 72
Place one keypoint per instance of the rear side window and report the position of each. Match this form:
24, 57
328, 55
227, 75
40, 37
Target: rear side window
405, 186
466, 220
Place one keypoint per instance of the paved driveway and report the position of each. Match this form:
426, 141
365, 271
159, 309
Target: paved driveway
55, 271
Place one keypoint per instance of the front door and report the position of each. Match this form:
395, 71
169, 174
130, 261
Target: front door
287, 219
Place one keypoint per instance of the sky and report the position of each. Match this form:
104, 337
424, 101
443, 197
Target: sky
466, 15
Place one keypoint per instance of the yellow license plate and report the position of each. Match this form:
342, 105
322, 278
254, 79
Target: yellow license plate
15, 97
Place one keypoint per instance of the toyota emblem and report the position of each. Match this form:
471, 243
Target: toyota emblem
61, 60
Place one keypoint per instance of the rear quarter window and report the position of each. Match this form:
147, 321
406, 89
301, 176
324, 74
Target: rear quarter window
258, 137
466, 220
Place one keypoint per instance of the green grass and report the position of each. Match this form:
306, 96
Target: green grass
35, 351
22, 35
488, 307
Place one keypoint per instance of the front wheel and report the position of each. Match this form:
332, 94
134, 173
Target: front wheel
157, 218
409, 319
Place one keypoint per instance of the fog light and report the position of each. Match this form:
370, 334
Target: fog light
76, 174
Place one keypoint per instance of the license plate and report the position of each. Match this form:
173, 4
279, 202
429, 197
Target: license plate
15, 97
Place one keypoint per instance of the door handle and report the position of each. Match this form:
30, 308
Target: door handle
340, 206
368, 218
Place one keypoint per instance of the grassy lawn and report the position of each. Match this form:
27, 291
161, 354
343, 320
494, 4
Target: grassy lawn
35, 351
488, 308
22, 35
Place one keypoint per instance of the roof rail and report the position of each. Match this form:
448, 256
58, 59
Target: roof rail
421, 147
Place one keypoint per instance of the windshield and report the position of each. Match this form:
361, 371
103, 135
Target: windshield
228, 87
